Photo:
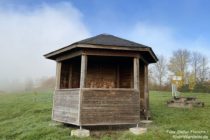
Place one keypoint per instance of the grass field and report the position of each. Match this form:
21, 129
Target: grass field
27, 116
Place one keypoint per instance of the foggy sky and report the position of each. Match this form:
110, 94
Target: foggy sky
26, 35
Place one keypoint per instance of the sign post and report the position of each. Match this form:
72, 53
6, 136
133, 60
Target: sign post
174, 84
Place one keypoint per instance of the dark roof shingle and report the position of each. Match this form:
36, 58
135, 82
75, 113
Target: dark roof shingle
109, 40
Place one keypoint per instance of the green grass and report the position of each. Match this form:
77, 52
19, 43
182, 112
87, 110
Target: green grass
27, 116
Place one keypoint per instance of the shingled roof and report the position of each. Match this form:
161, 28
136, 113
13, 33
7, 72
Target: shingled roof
109, 40
104, 40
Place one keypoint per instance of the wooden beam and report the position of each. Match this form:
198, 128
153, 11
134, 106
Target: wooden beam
83, 70
136, 73
112, 47
58, 75
69, 55
98, 52
61, 50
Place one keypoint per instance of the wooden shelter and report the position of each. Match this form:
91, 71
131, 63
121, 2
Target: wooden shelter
101, 80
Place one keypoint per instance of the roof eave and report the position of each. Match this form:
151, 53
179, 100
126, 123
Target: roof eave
53, 54
153, 54
59, 51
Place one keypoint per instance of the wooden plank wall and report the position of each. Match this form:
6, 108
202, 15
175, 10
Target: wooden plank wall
126, 75
109, 107
101, 75
76, 66
106, 72
66, 106
65, 71
70, 74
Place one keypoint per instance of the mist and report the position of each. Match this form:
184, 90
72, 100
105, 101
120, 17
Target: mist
27, 34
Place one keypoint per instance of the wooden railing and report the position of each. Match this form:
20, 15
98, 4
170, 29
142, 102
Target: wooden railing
66, 106
109, 106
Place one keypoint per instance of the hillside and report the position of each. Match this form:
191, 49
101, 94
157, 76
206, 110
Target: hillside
27, 116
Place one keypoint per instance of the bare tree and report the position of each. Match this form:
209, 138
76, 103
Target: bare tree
179, 62
196, 60
160, 70
150, 75
47, 83
203, 71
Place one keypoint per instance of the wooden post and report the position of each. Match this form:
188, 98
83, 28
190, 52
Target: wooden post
70, 76
136, 79
118, 76
146, 90
83, 73
136, 73
58, 75
83, 70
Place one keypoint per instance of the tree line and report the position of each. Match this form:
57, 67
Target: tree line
193, 67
